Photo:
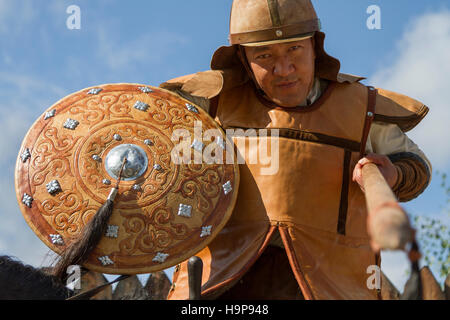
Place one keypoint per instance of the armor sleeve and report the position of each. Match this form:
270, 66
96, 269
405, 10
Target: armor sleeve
412, 165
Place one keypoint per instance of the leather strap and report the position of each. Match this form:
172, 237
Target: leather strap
90, 293
370, 115
282, 32
343, 207
274, 12
293, 260
232, 280
213, 104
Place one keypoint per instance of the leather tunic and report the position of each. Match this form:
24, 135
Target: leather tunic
303, 189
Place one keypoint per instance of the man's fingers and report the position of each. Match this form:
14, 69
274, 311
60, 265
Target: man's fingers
365, 161
375, 246
357, 175
373, 158
355, 171
385, 165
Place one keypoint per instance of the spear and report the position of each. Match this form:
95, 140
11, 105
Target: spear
388, 225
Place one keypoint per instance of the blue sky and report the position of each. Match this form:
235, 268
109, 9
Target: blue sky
139, 41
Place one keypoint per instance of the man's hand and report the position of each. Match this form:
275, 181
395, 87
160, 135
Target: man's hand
387, 223
385, 165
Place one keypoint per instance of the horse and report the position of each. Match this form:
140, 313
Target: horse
24, 282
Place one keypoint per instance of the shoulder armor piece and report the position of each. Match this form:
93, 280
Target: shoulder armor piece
399, 109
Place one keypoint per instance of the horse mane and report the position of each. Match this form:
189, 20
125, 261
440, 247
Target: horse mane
24, 282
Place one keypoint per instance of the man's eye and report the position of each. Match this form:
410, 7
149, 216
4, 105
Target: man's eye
263, 56
293, 48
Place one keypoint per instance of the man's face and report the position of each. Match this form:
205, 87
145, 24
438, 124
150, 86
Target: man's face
285, 71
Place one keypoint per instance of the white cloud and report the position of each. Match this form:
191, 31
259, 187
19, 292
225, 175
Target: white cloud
420, 70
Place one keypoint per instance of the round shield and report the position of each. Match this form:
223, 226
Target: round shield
177, 190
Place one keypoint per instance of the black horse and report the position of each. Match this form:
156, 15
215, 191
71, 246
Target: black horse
24, 282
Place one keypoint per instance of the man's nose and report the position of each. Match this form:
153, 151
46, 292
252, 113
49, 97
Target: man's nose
283, 66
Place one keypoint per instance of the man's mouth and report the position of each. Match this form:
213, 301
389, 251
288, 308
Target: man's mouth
286, 84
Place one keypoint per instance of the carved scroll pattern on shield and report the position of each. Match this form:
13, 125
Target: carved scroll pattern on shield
147, 209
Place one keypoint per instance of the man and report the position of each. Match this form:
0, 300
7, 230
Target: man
299, 233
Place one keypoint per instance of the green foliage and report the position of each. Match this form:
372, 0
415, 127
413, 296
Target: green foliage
433, 235
446, 188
